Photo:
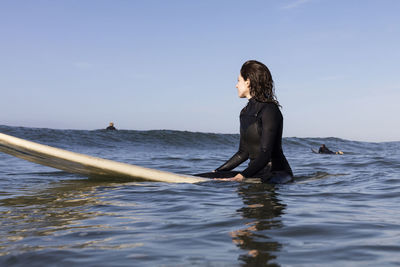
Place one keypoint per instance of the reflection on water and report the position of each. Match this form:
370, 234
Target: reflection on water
32, 222
262, 209
84, 219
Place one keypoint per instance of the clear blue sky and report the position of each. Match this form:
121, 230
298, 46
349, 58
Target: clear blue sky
79, 64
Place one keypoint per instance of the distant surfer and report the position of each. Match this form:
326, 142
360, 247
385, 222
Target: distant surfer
324, 150
261, 124
111, 127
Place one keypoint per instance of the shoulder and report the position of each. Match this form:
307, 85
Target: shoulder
269, 107
270, 113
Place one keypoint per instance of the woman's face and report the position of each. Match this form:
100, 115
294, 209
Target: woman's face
243, 87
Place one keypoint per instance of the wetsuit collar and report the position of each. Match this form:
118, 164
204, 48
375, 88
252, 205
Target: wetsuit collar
252, 100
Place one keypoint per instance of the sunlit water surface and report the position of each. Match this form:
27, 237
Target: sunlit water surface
341, 210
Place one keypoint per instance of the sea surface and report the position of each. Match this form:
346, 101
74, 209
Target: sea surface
341, 210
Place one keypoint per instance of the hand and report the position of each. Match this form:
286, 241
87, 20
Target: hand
238, 178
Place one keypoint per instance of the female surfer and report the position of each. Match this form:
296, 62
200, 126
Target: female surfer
261, 125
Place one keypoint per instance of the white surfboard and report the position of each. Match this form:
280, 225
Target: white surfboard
86, 165
314, 151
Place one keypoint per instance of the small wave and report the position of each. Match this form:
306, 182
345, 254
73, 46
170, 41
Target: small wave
316, 176
103, 138
159, 139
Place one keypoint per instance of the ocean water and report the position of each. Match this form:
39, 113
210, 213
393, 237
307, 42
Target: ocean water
341, 210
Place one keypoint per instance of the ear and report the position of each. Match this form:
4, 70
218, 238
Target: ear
247, 82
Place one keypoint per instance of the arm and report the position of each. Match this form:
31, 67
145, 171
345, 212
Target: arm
238, 158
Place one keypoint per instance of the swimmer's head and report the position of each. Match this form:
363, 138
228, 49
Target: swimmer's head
261, 83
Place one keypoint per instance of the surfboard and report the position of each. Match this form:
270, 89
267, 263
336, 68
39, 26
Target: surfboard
314, 150
86, 165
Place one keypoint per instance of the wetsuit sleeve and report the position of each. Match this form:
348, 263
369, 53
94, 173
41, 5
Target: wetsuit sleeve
238, 158
271, 121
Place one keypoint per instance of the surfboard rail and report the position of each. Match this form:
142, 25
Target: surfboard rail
78, 163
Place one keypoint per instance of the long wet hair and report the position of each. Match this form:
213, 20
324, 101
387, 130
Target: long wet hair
261, 83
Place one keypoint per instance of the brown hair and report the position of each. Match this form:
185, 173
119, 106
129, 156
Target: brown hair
261, 83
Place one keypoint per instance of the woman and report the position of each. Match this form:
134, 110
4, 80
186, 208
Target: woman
261, 125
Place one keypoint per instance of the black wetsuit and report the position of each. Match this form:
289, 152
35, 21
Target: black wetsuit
325, 150
111, 128
261, 127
